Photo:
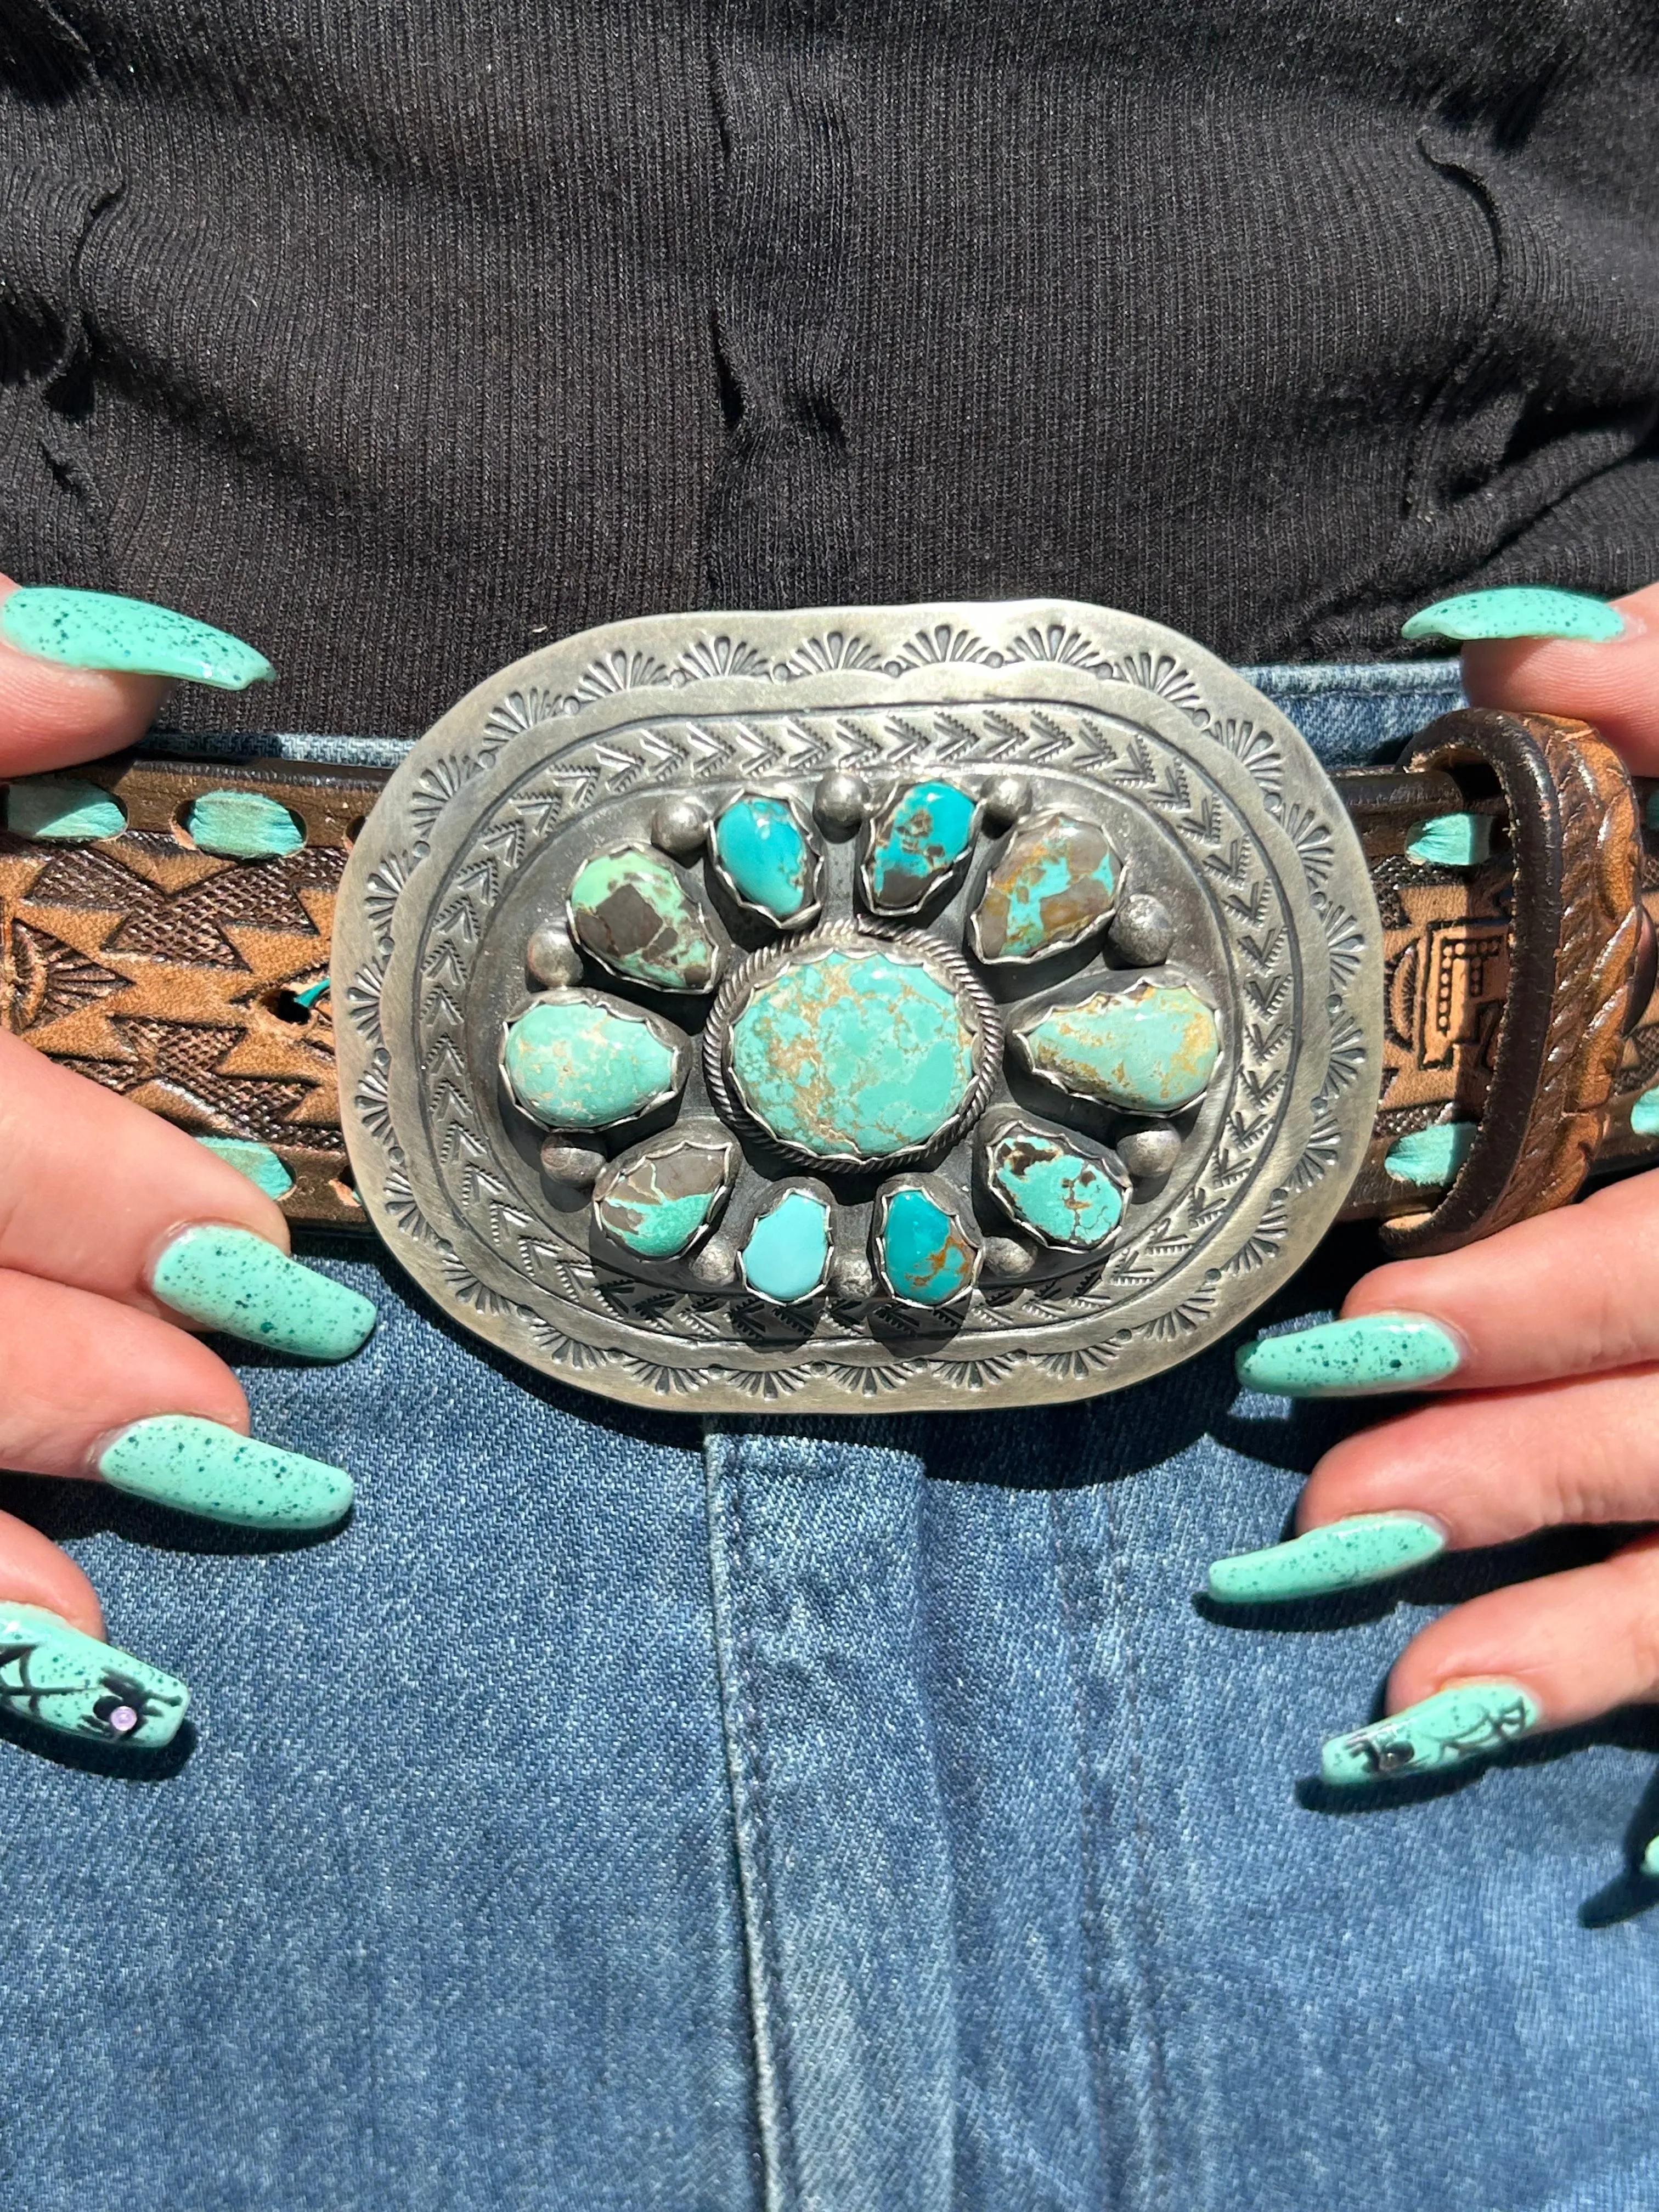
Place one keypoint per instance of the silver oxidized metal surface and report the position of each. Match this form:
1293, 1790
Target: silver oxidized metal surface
1014, 982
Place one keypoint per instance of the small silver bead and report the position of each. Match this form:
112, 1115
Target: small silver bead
566, 1161
1005, 798
679, 826
551, 959
841, 801
1142, 931
852, 1278
715, 1267
1006, 1257
1149, 1154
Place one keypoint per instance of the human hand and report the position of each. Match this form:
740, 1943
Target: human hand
1540, 1346
119, 1235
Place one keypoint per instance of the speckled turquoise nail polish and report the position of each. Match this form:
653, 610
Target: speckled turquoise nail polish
61, 809
1350, 1359
1444, 1731
51, 1673
201, 1467
231, 1279
100, 629
1367, 1548
1516, 610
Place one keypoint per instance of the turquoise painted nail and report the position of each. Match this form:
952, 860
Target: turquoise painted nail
1368, 1548
51, 1673
199, 1466
1427, 1158
1350, 1359
1444, 1730
257, 1162
1516, 610
1451, 840
1650, 1859
62, 810
242, 825
100, 629
231, 1279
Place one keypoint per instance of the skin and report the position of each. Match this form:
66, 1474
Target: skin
91, 1188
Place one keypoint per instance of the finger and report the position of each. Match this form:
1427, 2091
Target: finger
89, 1390
99, 1193
1460, 1473
1566, 1293
1545, 1654
1614, 684
82, 673
50, 715
57, 1670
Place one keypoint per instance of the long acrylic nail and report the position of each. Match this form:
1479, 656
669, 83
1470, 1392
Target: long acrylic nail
200, 1466
101, 630
51, 1673
1444, 1731
1367, 1548
230, 1279
1350, 1359
1516, 610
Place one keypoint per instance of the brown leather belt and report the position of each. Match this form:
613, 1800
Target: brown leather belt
1520, 1023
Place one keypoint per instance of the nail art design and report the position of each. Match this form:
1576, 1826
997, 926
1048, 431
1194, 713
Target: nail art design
200, 1466
231, 1279
52, 1673
1367, 1548
1350, 1359
1516, 610
101, 630
1444, 1731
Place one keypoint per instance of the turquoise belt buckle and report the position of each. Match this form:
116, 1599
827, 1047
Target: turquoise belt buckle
857, 1009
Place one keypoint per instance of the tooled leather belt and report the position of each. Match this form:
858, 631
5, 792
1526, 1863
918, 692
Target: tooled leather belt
948, 1005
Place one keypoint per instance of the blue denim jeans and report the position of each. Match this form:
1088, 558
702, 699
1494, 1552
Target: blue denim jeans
861, 1815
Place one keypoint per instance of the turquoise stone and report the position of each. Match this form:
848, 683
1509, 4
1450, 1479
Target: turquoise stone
658, 1202
257, 1162
921, 1251
786, 1255
1644, 1114
1054, 886
919, 838
63, 811
1451, 840
1062, 1195
1150, 1049
631, 909
578, 1060
242, 825
766, 858
854, 1052
1430, 1158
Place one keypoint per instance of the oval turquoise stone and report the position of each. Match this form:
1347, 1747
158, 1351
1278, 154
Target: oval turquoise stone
656, 1203
1055, 884
243, 825
922, 1251
1061, 1195
786, 1255
584, 1061
62, 810
1150, 1050
760, 846
631, 910
853, 1053
916, 840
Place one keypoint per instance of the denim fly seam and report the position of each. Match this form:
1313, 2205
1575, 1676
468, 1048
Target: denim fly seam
745, 1761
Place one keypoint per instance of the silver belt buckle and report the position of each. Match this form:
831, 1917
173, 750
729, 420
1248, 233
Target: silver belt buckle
858, 1009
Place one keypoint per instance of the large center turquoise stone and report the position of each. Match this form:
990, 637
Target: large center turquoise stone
853, 1052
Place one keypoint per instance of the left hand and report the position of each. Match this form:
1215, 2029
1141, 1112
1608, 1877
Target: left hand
1540, 1348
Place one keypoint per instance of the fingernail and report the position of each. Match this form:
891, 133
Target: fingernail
1516, 610
51, 1673
1368, 1548
1350, 1359
231, 1279
100, 629
199, 1466
1444, 1731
